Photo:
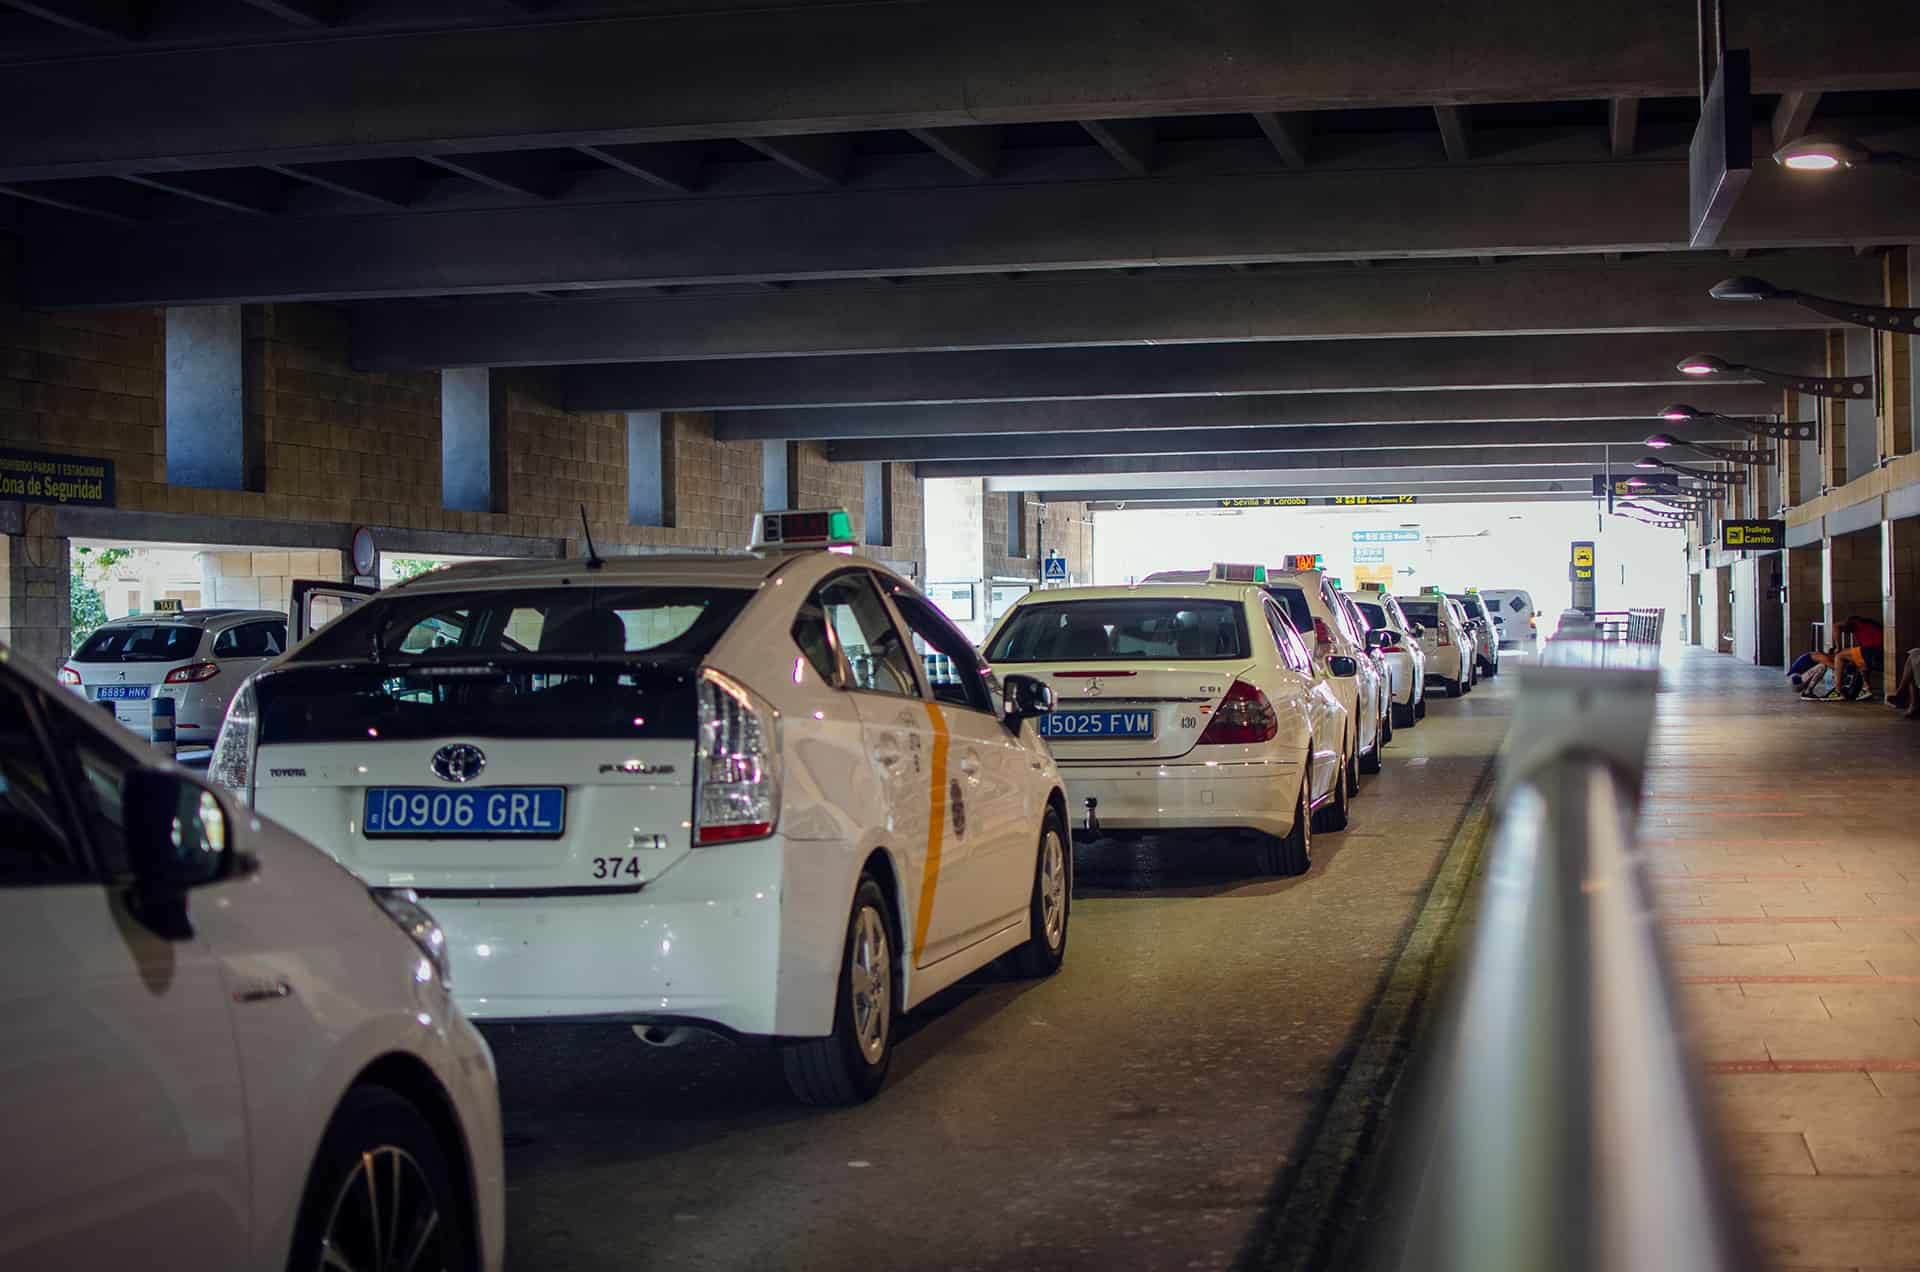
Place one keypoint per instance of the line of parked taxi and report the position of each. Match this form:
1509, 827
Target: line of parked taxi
775, 796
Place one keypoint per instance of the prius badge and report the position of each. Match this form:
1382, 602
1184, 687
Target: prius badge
460, 762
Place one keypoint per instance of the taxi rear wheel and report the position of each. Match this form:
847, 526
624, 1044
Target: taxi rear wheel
1292, 853
1404, 714
850, 1064
1335, 814
1370, 762
1353, 771
1420, 707
1051, 905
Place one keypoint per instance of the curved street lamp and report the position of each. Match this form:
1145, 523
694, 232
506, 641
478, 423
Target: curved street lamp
1845, 387
1662, 441
1651, 464
1879, 317
1790, 430
1819, 152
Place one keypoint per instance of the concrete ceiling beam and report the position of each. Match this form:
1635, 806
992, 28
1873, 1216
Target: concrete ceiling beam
1483, 460
1468, 362
776, 71
1538, 295
1267, 481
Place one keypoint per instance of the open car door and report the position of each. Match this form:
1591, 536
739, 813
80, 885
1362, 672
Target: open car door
313, 603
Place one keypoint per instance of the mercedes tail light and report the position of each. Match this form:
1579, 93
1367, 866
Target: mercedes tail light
1440, 626
68, 676
192, 673
736, 765
234, 748
1322, 634
1244, 715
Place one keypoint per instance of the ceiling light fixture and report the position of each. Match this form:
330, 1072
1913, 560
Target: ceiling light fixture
1855, 388
1879, 317
1790, 430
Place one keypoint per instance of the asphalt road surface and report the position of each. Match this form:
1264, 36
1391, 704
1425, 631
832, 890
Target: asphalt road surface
1140, 1109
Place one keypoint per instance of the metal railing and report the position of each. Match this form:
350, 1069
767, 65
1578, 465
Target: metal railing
1561, 1126
1632, 626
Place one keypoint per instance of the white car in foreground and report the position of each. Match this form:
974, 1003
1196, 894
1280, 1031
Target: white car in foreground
220, 1049
1394, 636
1186, 706
198, 658
714, 791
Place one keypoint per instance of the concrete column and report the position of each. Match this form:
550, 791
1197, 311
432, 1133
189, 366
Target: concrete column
877, 478
209, 440
1833, 420
1863, 425
1806, 596
1896, 382
650, 470
473, 440
36, 604
1900, 612
777, 476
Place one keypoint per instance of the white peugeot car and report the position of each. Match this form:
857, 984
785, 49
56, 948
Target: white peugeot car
219, 1049
1444, 639
1396, 638
198, 658
1186, 706
714, 791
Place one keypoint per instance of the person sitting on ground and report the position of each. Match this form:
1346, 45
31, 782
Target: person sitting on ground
1906, 693
1853, 666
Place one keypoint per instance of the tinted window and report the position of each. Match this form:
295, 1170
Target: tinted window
1122, 630
1291, 650
100, 767
952, 670
1376, 615
678, 623
1293, 603
251, 640
874, 648
140, 642
1425, 613
810, 633
33, 848
527, 698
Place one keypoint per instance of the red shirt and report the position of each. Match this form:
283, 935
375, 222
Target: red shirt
1866, 633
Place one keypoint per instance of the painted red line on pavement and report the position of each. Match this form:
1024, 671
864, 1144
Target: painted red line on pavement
1737, 812
1672, 876
1736, 843
1740, 979
1695, 920
1658, 798
1813, 1066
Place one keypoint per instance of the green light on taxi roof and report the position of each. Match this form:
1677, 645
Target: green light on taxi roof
839, 524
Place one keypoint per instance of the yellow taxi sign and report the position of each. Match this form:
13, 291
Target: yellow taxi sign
1302, 561
1235, 572
168, 605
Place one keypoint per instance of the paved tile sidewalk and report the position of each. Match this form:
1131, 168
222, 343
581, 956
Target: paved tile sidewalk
1786, 838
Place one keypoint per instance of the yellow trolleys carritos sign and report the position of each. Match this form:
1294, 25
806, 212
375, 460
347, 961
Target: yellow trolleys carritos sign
1753, 534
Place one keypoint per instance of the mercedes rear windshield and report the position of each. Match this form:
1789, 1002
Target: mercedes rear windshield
1122, 630
1426, 613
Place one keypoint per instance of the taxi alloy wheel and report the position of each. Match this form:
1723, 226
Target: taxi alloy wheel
1292, 853
1353, 772
381, 1194
1335, 814
850, 1064
1051, 905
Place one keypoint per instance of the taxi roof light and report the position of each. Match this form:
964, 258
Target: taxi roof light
804, 528
1303, 561
1235, 572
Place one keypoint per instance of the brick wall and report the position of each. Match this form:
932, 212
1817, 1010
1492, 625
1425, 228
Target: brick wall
262, 580
1806, 604
1853, 576
35, 612
1901, 611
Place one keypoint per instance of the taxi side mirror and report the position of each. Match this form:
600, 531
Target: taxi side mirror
1382, 638
1022, 697
1418, 631
179, 837
1341, 665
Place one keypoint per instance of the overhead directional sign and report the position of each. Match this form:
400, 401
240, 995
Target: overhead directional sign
1368, 501
1320, 501
1386, 536
1638, 482
1753, 534
1371, 554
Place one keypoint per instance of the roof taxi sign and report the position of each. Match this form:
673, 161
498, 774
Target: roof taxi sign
805, 528
1302, 561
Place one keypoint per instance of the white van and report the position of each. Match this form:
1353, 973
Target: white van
1514, 607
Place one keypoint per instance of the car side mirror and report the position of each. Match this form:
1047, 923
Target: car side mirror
1383, 638
179, 837
1342, 665
1418, 631
1023, 697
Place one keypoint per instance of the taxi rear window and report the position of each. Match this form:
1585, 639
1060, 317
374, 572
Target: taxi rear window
1426, 613
142, 642
548, 622
1376, 615
1122, 630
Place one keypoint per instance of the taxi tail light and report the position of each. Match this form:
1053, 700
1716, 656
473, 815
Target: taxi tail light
68, 676
1244, 715
736, 787
237, 743
1321, 634
1441, 627
192, 673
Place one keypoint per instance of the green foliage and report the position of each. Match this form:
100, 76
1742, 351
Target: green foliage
89, 607
411, 567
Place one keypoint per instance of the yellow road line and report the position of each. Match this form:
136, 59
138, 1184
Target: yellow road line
936, 829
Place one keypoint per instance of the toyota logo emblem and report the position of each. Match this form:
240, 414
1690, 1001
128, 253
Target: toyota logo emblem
459, 762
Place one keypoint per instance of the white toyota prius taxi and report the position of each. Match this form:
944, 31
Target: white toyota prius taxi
1186, 706
770, 794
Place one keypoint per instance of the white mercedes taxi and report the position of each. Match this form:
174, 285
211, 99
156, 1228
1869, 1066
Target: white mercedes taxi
1444, 639
1311, 599
1186, 706
1391, 634
715, 791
